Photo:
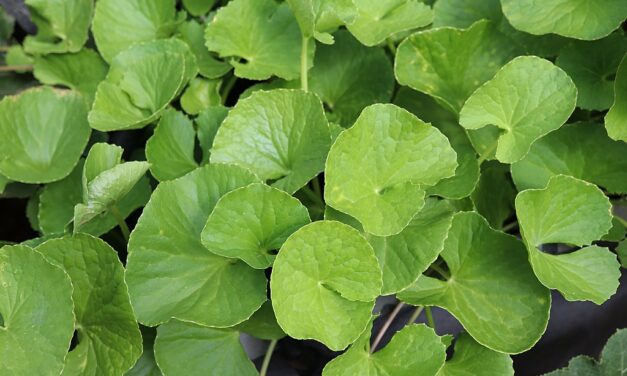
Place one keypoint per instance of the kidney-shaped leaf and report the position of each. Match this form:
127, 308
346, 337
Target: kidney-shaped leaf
616, 117
187, 349
37, 319
109, 341
251, 224
280, 135
543, 100
324, 282
43, 132
470, 358
490, 282
170, 273
377, 171
574, 212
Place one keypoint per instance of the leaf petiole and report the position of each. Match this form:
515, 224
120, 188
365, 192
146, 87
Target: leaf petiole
440, 271
121, 223
386, 326
430, 320
414, 316
486, 153
267, 357
16, 68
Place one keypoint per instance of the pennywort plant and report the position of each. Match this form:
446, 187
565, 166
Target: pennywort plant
202, 169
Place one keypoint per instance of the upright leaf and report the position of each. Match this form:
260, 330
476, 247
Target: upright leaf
616, 117
494, 195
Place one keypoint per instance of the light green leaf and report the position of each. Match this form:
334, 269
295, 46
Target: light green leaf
118, 24
324, 282
480, 258
207, 124
574, 212
494, 195
580, 19
109, 341
544, 99
260, 38
192, 33
581, 365
377, 171
101, 157
42, 134
472, 359
170, 150
37, 319
592, 66
581, 150
171, 274
348, 76
130, 97
616, 117
200, 95
317, 18
280, 135
16, 56
146, 364
262, 324
449, 64
251, 224
62, 25
198, 7
378, 20
188, 349
414, 350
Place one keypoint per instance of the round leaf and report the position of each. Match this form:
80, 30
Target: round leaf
377, 171
251, 224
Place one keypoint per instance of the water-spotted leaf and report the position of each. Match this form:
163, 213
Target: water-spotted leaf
449, 64
581, 150
377, 171
472, 359
280, 135
512, 120
118, 24
37, 320
616, 117
251, 224
324, 282
480, 258
171, 274
188, 349
378, 20
109, 341
42, 134
574, 212
192, 33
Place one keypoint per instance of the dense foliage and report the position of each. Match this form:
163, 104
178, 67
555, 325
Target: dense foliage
293, 162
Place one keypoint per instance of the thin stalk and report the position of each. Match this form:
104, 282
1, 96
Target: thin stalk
510, 226
385, 326
487, 152
267, 357
391, 46
15, 68
228, 87
430, 320
414, 316
316, 186
312, 195
121, 223
440, 271
303, 64
621, 220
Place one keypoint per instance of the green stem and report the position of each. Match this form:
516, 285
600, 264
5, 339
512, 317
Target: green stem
391, 46
267, 357
488, 151
16, 68
430, 320
414, 316
121, 223
303, 64
312, 195
385, 326
228, 87
509, 226
440, 271
621, 220
316, 186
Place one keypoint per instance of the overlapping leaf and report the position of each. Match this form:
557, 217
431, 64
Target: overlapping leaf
616, 117
470, 358
318, 18
207, 124
200, 95
262, 324
192, 33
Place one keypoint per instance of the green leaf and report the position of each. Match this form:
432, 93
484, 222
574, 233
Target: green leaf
188, 349
62, 26
7, 23
544, 99
414, 350
580, 19
42, 134
262, 324
16, 56
251, 223
324, 282
616, 117
192, 33
207, 124
574, 212
449, 64
348, 76
118, 24
592, 66
130, 97
200, 95
494, 195
621, 252
317, 18
171, 274
170, 150
109, 341
81, 71
472, 359
617, 232
260, 38
581, 365
280, 135
480, 258
377, 171
198, 7
581, 150
146, 364
37, 320
101, 157
378, 20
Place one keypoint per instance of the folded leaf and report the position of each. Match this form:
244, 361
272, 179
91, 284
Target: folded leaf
616, 117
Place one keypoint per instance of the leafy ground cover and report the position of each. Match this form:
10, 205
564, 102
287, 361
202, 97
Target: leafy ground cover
199, 170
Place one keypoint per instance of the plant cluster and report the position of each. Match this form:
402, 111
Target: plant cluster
469, 155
